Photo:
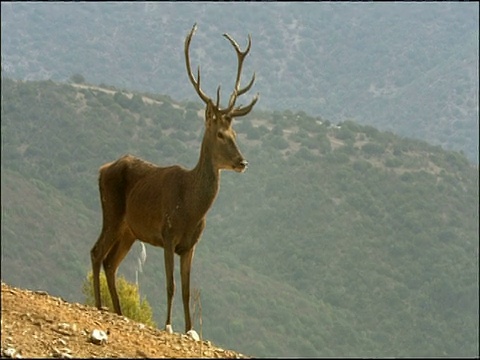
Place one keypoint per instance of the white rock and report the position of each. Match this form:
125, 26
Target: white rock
10, 352
62, 353
62, 341
193, 334
98, 337
65, 350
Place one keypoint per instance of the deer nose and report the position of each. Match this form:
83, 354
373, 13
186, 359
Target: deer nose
244, 164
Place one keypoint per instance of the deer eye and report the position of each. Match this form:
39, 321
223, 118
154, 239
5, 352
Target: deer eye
220, 135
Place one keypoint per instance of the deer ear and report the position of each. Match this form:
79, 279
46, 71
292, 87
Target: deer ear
209, 115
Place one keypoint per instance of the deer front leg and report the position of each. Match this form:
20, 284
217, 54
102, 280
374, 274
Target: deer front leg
169, 265
185, 266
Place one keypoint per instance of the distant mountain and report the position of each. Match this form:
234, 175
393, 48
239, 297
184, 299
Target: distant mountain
339, 240
411, 68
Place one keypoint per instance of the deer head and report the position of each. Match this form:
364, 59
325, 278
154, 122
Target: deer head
220, 139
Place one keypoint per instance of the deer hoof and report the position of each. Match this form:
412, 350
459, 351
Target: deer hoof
168, 329
193, 334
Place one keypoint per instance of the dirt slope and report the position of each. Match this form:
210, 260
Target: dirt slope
35, 324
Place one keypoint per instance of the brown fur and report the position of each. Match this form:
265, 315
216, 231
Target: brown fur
166, 206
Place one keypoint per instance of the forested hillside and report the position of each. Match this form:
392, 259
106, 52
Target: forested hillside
406, 67
339, 240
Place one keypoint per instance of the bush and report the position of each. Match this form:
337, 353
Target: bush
305, 154
128, 295
77, 79
393, 162
279, 142
373, 149
254, 133
345, 134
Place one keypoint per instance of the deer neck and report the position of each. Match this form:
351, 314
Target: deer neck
206, 179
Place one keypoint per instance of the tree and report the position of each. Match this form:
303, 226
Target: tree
77, 79
132, 306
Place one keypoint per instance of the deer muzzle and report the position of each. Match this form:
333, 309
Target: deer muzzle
242, 166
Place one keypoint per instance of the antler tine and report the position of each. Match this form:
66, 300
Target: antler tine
241, 111
237, 93
241, 56
246, 88
195, 83
218, 97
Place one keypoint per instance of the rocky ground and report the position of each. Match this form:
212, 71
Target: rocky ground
35, 324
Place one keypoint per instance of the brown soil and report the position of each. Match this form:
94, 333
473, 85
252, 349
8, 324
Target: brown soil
35, 324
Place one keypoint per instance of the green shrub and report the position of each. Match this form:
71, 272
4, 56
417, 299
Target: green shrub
279, 142
132, 306
393, 162
373, 149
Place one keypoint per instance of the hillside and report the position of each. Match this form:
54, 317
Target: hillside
339, 240
406, 67
37, 325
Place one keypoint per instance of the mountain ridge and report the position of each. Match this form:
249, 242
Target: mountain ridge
322, 58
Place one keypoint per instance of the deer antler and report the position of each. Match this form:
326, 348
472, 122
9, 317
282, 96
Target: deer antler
239, 111
195, 83
230, 109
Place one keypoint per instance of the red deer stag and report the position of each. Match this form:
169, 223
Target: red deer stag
167, 206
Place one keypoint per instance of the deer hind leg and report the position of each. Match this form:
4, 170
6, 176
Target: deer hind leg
98, 253
111, 188
111, 263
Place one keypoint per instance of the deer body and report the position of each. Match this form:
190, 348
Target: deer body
167, 206
177, 203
